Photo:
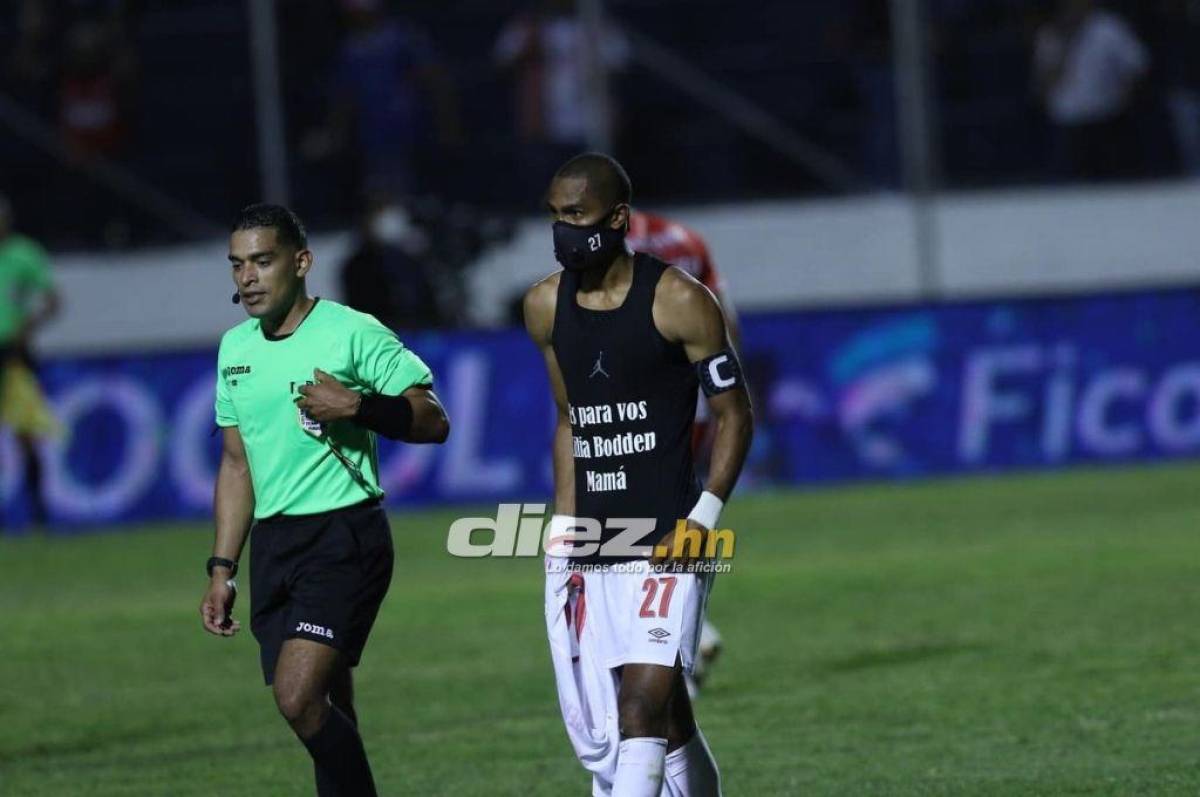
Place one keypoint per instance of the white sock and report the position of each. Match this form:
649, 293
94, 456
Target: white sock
640, 764
691, 771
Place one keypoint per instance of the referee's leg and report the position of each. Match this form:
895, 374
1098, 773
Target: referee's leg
341, 692
305, 675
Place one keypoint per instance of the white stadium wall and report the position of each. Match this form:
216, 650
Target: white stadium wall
158, 299
863, 250
776, 254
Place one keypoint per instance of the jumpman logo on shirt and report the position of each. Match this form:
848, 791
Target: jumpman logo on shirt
598, 368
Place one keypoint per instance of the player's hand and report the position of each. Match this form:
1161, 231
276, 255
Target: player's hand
674, 549
216, 610
328, 399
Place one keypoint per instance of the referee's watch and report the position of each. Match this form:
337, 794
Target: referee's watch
220, 561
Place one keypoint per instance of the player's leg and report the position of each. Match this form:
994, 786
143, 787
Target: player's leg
643, 705
33, 480
304, 674
710, 643
703, 435
666, 613
681, 722
690, 769
709, 650
30, 456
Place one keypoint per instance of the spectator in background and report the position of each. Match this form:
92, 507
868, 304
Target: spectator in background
96, 114
27, 300
388, 275
1087, 66
869, 47
386, 79
1180, 48
545, 51
96, 90
30, 66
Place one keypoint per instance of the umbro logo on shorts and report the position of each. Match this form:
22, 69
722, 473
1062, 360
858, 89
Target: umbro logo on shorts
659, 633
319, 630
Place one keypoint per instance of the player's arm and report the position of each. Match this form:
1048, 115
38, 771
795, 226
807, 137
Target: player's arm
711, 279
47, 309
686, 312
694, 319
48, 302
233, 512
733, 325
539, 323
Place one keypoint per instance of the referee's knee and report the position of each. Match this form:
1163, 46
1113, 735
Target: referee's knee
302, 709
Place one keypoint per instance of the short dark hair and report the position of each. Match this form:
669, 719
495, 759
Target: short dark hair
603, 174
287, 225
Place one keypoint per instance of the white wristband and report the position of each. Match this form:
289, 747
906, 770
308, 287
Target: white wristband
707, 511
559, 536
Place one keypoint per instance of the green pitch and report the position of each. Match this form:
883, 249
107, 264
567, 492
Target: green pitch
1031, 635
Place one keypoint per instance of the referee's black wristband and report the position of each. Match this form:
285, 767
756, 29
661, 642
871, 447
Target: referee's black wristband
390, 416
220, 561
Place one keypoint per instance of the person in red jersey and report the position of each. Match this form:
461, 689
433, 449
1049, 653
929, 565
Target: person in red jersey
682, 247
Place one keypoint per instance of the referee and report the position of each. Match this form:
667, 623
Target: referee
303, 388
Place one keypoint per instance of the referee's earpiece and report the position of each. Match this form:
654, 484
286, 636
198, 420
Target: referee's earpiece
237, 298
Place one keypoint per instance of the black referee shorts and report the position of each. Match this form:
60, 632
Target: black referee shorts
319, 577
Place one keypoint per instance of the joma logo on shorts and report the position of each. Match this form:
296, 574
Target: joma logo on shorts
319, 630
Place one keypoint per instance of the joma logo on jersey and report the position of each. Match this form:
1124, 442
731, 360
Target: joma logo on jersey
236, 370
520, 530
309, 628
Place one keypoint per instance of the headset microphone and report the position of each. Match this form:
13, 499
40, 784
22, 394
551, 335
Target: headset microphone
237, 298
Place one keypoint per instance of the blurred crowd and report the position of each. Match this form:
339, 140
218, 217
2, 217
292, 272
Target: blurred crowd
466, 106
1111, 88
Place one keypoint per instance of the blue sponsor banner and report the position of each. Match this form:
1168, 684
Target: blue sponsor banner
844, 394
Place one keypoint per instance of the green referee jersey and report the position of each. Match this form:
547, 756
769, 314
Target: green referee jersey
24, 274
298, 466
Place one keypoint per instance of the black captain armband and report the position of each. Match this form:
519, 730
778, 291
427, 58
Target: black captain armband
390, 416
719, 373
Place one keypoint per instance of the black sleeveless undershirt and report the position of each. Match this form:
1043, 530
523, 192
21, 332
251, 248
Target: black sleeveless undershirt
632, 397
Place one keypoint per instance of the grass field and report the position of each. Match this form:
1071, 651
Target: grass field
1026, 635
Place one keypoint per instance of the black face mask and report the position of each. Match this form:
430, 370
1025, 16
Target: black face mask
583, 247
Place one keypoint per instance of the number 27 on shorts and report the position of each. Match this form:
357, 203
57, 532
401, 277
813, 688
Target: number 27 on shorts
651, 587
